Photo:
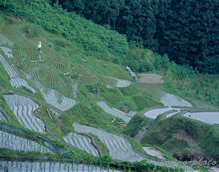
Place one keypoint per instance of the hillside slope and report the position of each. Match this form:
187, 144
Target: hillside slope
70, 93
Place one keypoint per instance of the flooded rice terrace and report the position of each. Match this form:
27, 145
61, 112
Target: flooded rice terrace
50, 167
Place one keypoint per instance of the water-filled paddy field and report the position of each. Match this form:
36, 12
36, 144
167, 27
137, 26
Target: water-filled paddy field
120, 148
114, 112
5, 41
50, 166
206, 117
81, 142
153, 113
15, 79
164, 97
23, 108
55, 98
14, 142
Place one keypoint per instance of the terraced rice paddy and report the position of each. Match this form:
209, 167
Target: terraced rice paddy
72, 87
105, 81
153, 113
50, 54
15, 80
88, 80
18, 58
23, 108
114, 112
31, 70
49, 76
13, 142
81, 142
5, 40
172, 100
50, 166
11, 71
20, 82
7, 51
120, 148
60, 66
206, 117
55, 98
2, 118
120, 82
26, 46
81, 71
131, 113
162, 96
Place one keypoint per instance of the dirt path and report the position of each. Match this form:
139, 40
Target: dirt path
151, 78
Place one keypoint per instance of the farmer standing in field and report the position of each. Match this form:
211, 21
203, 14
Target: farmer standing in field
39, 46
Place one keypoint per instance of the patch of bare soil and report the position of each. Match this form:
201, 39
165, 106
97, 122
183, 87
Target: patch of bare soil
151, 78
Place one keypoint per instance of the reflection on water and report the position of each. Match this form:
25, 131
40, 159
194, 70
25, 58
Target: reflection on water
49, 166
55, 98
206, 117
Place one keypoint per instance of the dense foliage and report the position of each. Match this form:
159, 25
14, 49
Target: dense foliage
187, 30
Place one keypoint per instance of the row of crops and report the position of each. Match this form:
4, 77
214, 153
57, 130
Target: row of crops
120, 148
53, 56
85, 77
23, 108
51, 167
18, 58
5, 40
15, 79
105, 81
81, 142
49, 77
11, 71
55, 98
72, 87
13, 142
88, 80
63, 67
31, 70
81, 71
114, 112
25, 45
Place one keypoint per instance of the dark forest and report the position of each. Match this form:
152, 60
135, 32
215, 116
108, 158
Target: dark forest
187, 30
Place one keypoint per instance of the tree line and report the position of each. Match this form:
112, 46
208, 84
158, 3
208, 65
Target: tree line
187, 30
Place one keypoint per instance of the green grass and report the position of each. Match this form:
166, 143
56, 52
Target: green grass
135, 124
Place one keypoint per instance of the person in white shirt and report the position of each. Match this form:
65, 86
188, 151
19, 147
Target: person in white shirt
39, 46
